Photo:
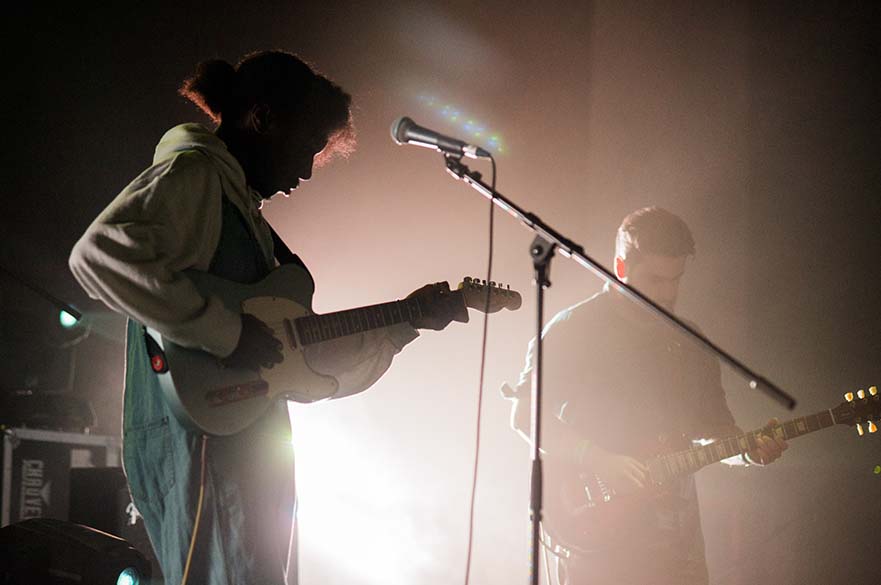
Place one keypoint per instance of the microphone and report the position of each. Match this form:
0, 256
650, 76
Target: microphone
406, 131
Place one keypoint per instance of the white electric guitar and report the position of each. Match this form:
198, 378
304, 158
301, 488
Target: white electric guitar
208, 397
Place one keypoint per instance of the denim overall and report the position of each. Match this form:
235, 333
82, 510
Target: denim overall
246, 529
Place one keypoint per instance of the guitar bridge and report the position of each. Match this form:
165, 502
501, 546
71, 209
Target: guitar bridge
237, 393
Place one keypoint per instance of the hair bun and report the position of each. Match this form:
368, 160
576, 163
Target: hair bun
211, 87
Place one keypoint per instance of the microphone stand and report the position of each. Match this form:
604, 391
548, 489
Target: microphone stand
542, 249
61, 305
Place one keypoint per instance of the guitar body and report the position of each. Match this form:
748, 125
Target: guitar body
586, 514
208, 397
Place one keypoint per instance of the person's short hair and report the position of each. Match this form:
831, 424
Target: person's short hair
653, 230
280, 80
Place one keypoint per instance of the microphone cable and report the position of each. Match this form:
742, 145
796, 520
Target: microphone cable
489, 269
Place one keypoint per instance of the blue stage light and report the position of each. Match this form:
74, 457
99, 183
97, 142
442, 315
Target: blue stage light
66, 319
129, 576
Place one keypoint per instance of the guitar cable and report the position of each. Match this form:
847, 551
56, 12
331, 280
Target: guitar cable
183, 580
489, 269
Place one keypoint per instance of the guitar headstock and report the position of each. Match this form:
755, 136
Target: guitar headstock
861, 410
475, 293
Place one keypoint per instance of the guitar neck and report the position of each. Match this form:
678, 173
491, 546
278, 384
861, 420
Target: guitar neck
317, 328
670, 466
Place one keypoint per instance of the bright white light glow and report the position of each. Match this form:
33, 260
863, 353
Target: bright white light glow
347, 504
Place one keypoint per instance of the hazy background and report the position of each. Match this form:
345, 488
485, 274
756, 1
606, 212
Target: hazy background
756, 122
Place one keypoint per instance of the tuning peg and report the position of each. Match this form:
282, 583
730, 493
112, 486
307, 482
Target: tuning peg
873, 428
861, 393
848, 396
860, 429
873, 390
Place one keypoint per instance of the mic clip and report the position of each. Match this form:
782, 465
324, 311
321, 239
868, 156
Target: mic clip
456, 168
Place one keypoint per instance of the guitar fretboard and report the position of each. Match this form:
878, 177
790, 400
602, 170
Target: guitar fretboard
667, 467
316, 328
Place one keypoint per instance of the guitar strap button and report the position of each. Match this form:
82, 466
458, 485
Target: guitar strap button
157, 357
158, 364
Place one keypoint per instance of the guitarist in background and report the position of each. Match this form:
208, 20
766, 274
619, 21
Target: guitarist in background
619, 383
198, 207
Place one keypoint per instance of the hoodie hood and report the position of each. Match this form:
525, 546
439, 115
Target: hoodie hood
188, 137
192, 137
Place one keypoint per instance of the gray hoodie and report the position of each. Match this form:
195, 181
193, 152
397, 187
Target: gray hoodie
167, 220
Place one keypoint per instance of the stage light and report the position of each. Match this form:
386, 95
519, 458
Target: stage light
56, 552
66, 319
465, 123
129, 576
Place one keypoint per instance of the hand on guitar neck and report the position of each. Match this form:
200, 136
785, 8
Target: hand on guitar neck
439, 307
769, 445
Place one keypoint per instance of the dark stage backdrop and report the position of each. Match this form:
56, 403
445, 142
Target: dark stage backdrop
757, 122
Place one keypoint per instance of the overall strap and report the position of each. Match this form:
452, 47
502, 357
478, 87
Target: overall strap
282, 253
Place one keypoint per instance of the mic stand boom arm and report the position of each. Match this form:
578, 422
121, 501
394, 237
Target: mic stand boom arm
542, 249
574, 251
61, 305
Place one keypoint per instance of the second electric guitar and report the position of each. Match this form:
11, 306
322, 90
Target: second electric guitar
587, 514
